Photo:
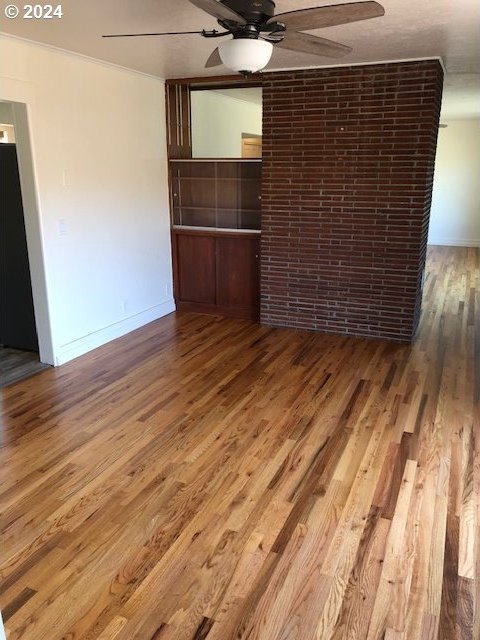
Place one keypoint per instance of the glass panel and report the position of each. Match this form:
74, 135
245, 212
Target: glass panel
223, 195
227, 123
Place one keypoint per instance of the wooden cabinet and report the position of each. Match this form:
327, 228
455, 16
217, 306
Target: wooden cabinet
237, 277
216, 213
216, 193
179, 135
196, 268
217, 272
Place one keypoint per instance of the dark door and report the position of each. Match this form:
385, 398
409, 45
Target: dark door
238, 273
196, 268
217, 273
17, 319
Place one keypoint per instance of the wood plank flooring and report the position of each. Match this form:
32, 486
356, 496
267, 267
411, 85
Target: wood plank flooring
208, 478
16, 365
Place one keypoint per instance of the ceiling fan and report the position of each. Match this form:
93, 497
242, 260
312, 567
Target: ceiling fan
256, 29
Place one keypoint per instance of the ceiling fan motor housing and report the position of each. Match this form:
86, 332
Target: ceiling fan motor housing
254, 11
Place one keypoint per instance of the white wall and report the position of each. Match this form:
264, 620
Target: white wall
6, 113
218, 122
455, 214
98, 224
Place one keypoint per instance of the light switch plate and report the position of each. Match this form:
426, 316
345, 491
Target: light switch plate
62, 227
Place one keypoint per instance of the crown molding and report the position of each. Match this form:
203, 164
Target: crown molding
81, 56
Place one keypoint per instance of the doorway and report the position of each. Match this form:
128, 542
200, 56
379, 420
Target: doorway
19, 344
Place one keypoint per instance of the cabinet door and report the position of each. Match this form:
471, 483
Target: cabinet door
195, 269
238, 274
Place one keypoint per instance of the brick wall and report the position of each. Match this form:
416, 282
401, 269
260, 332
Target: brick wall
348, 160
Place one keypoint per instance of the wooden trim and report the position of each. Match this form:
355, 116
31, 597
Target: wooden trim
217, 310
215, 160
178, 121
221, 82
175, 274
216, 232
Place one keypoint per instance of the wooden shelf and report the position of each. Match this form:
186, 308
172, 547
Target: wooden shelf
214, 230
216, 193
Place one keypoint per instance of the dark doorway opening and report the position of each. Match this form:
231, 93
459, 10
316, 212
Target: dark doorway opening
18, 332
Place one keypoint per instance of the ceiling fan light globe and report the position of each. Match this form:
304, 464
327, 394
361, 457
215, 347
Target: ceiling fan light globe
245, 55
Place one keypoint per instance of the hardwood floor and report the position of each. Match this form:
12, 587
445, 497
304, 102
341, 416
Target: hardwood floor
213, 478
16, 365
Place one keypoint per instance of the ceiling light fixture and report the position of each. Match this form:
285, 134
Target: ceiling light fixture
245, 55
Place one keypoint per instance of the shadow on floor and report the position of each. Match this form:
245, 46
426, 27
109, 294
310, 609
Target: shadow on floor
16, 365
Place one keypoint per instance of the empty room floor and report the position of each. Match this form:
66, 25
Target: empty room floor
211, 478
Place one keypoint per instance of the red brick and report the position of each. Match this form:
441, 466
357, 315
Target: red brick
347, 176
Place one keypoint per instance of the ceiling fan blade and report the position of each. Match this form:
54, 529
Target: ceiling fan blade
219, 10
307, 43
144, 35
214, 60
318, 17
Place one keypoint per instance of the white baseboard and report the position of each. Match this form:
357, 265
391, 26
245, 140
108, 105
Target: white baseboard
83, 345
2, 629
454, 243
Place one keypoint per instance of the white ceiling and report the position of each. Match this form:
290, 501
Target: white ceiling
410, 29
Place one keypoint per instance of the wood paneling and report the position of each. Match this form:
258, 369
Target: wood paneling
179, 135
219, 82
196, 268
238, 272
213, 478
